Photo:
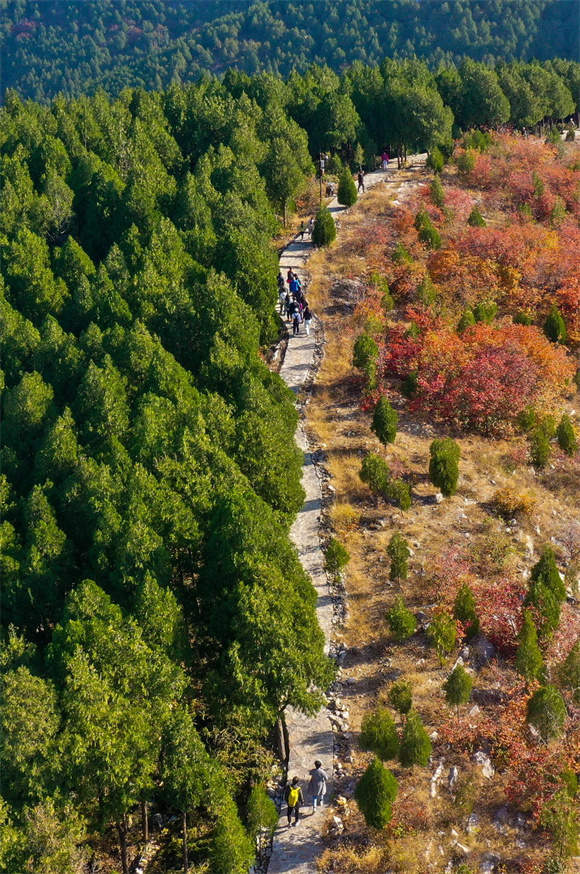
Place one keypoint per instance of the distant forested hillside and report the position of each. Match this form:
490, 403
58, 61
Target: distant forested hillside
72, 47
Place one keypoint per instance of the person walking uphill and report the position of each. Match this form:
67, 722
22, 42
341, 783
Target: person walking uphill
317, 785
294, 799
361, 180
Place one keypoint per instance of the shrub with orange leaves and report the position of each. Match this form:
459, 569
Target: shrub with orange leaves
482, 379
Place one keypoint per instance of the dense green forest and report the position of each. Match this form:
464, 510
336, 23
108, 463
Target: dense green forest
75, 47
157, 620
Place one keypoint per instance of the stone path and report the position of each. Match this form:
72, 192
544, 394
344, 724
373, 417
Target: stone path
296, 849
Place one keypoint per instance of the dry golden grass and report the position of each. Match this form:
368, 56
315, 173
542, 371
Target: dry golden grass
365, 525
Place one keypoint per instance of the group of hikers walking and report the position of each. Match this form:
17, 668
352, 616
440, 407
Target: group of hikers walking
293, 303
316, 790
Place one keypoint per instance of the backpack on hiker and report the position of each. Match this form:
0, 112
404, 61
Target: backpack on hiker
294, 796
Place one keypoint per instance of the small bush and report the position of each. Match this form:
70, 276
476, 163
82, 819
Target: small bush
442, 634
324, 230
401, 254
547, 712
444, 465
426, 291
464, 611
485, 311
336, 556
458, 686
476, 220
437, 193
376, 474
380, 282
539, 445
415, 746
555, 326
465, 162
401, 696
436, 160
347, 193
560, 817
427, 231
375, 792
385, 421
466, 321
566, 436
398, 552
399, 492
508, 503
410, 384
477, 139
569, 672
401, 621
379, 734
523, 318
527, 419
529, 661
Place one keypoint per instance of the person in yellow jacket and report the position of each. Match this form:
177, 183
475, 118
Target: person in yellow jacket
294, 799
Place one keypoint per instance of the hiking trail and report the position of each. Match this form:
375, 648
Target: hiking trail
297, 848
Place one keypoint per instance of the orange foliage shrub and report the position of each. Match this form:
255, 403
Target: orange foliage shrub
482, 379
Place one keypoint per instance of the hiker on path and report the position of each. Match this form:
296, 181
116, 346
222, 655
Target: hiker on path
289, 276
288, 306
296, 321
301, 231
307, 316
295, 285
310, 226
317, 785
294, 799
361, 180
385, 160
281, 298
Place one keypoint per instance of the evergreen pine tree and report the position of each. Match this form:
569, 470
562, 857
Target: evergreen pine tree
385, 420
547, 712
458, 686
546, 571
566, 435
426, 291
415, 746
365, 356
399, 492
464, 610
401, 621
437, 193
379, 734
569, 672
347, 194
375, 792
336, 556
555, 326
442, 633
376, 474
401, 696
444, 465
476, 220
529, 661
466, 321
398, 552
324, 230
